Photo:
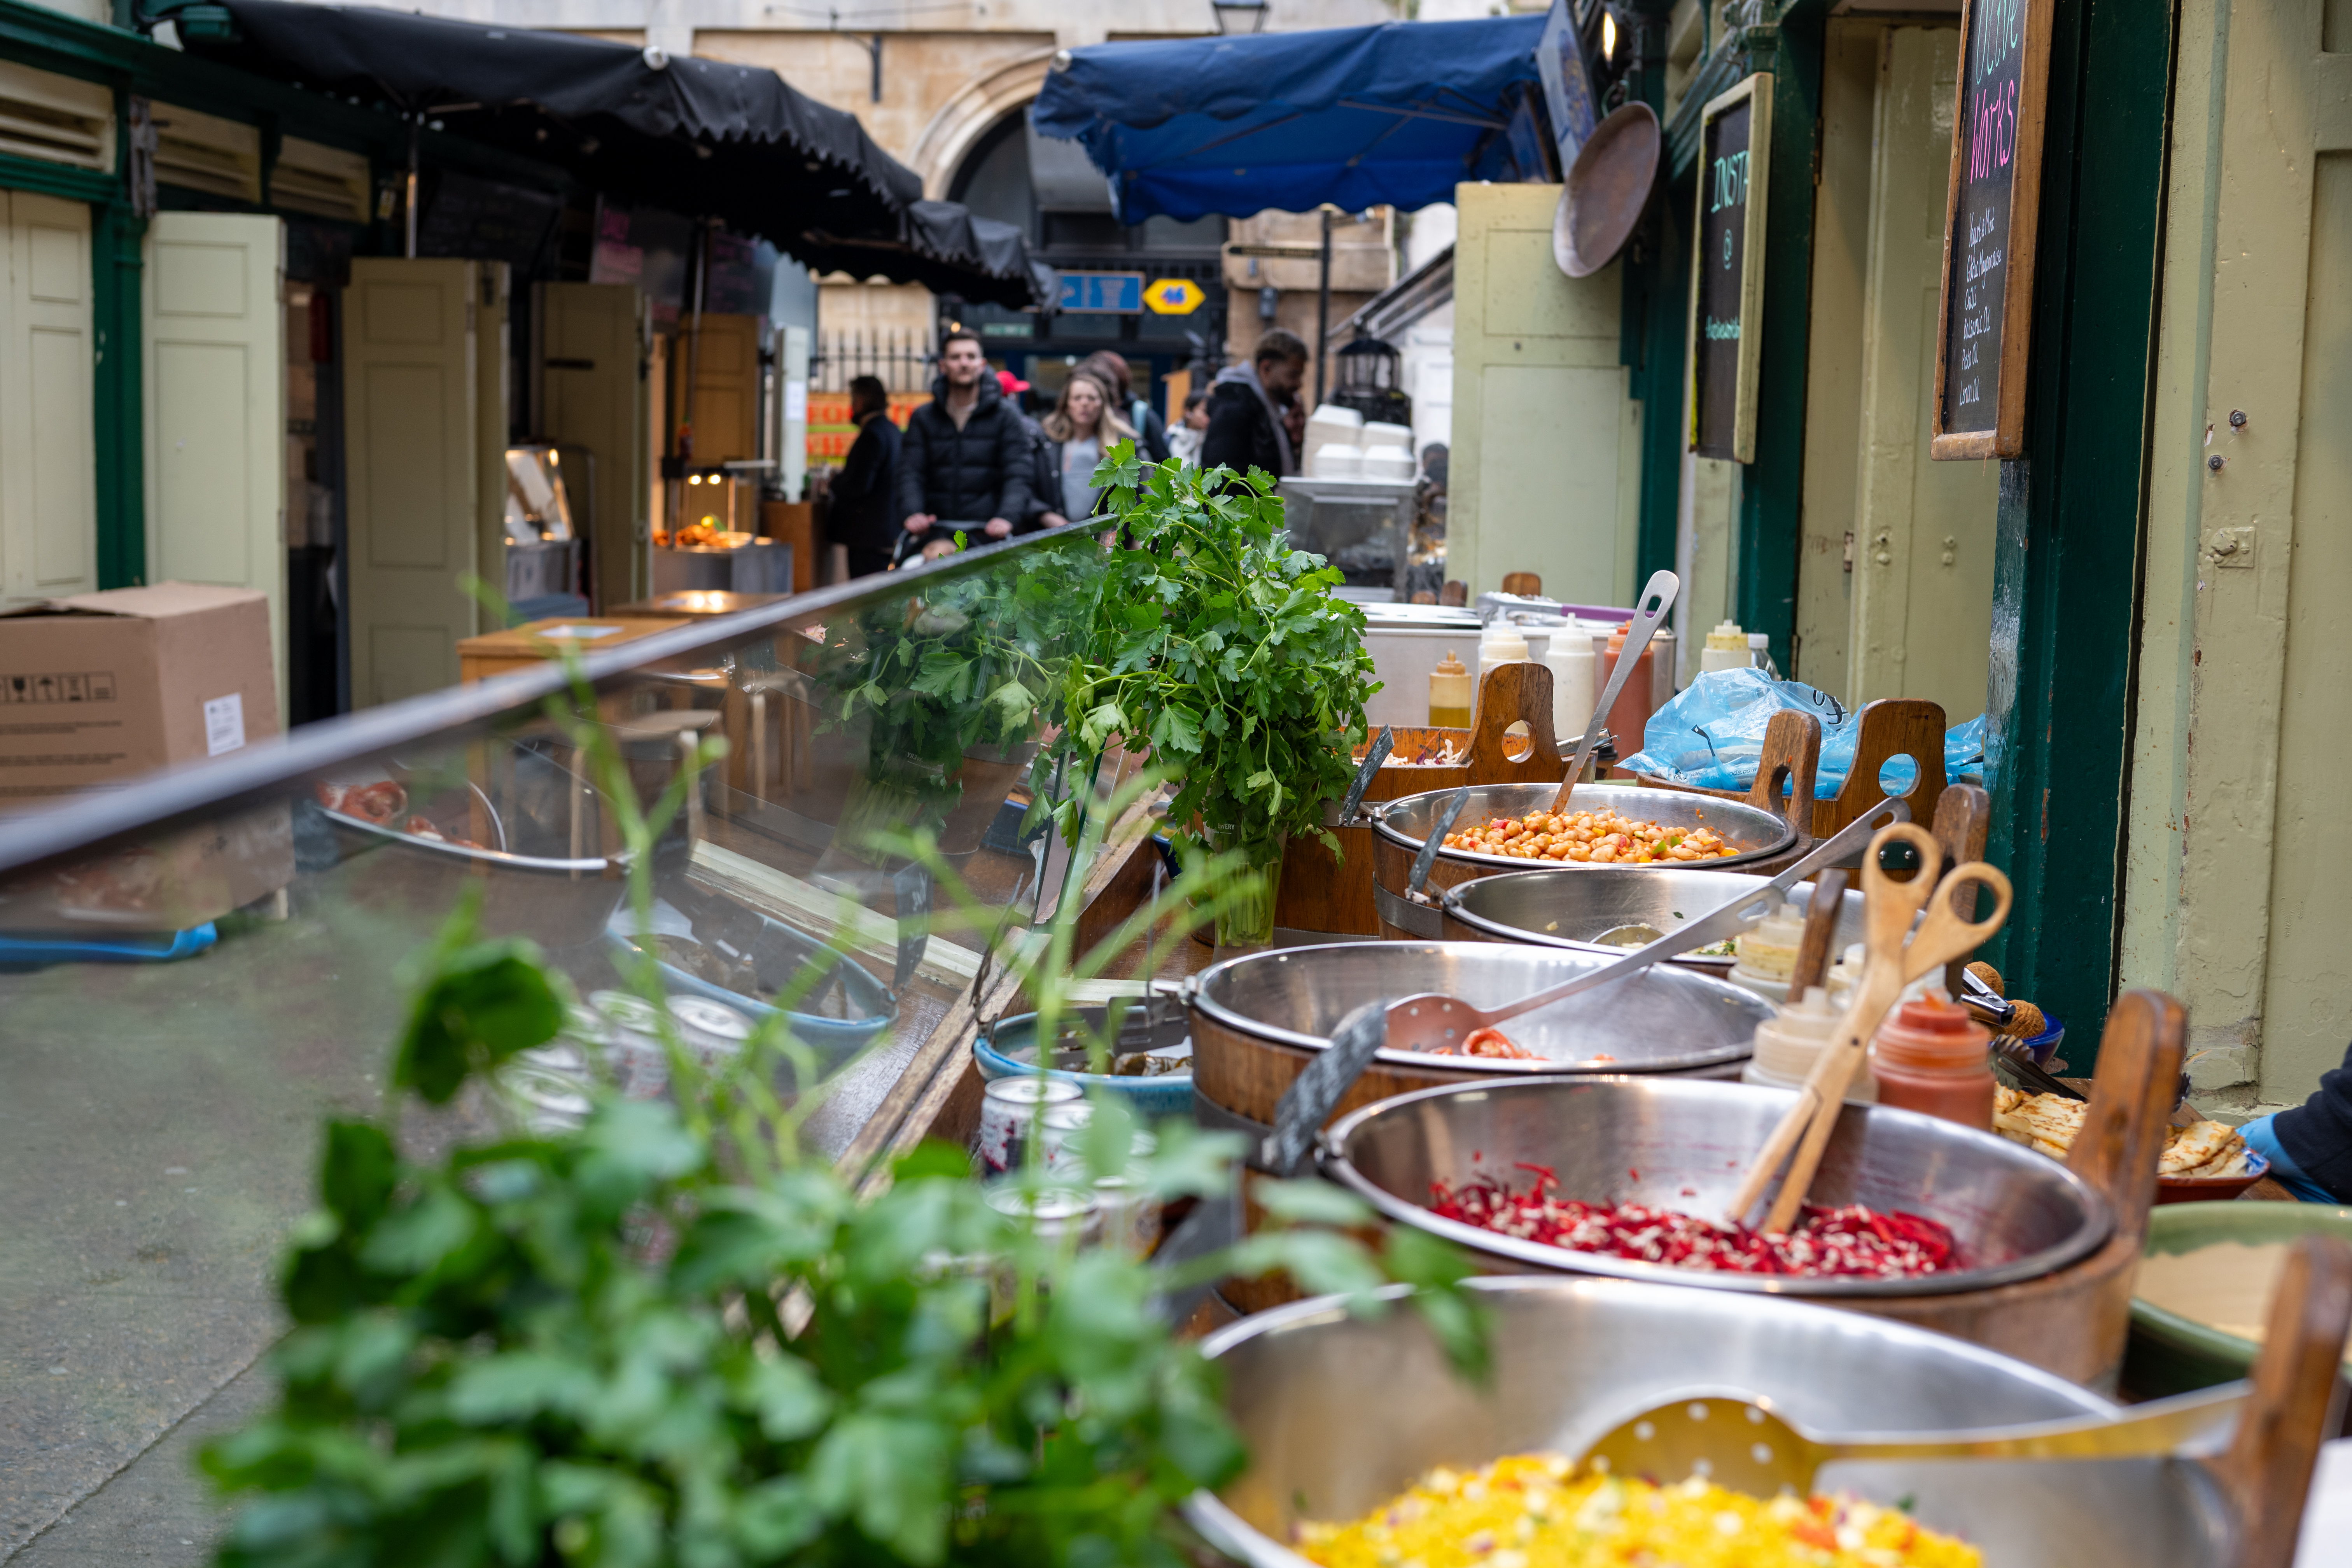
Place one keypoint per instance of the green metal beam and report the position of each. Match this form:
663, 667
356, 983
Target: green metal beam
57, 180
116, 234
1771, 492
2067, 571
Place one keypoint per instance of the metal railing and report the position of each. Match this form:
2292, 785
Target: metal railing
901, 357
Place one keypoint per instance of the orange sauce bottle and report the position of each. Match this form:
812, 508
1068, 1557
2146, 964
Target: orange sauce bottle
1931, 1057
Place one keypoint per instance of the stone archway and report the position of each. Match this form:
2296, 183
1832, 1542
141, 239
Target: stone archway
967, 116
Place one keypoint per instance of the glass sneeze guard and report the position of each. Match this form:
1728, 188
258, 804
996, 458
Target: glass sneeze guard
166, 1065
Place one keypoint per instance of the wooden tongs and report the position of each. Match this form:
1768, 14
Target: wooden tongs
1893, 963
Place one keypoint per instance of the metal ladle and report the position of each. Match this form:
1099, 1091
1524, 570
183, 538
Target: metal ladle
1740, 1444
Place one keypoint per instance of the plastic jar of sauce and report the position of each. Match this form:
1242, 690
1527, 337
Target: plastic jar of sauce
1788, 1042
1768, 954
1932, 1057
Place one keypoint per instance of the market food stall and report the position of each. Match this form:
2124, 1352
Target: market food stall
801, 836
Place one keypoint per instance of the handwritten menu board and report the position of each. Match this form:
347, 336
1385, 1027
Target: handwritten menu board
1727, 271
1988, 229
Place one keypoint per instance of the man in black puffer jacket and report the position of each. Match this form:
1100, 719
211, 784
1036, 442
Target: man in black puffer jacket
965, 458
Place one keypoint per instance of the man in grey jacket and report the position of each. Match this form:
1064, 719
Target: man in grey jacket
965, 458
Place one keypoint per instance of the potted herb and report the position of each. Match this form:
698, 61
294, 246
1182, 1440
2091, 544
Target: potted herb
1223, 650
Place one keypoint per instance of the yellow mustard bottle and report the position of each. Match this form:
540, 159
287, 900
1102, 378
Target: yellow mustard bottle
1449, 694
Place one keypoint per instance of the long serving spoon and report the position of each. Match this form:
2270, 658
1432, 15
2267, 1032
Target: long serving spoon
1664, 585
1435, 1021
1740, 1444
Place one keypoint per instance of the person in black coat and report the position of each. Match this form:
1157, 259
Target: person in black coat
863, 521
966, 457
2309, 1146
1245, 423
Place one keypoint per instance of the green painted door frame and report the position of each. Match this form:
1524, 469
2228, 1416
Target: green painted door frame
1771, 491
2073, 514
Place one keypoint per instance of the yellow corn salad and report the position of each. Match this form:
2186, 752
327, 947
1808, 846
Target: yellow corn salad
1529, 1511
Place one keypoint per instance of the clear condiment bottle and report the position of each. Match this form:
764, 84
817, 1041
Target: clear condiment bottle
1727, 648
1788, 1042
1768, 952
1503, 644
1930, 1057
1449, 693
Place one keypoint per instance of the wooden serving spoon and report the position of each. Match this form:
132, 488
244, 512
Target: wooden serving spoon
1894, 962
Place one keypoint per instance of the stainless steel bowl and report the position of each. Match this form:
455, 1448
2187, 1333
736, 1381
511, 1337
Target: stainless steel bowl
1682, 1144
1754, 833
1341, 1413
1562, 906
1661, 1020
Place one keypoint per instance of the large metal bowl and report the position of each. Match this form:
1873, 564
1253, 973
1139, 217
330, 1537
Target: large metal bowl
1661, 1020
1341, 1413
1562, 906
1401, 827
1753, 832
1684, 1144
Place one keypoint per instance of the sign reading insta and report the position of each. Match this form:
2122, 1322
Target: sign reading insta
1988, 229
1728, 270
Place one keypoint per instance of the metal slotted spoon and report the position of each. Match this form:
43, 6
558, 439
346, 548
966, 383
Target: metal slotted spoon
1739, 1444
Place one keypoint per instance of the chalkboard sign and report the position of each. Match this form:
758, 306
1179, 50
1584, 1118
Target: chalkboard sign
1988, 229
1728, 270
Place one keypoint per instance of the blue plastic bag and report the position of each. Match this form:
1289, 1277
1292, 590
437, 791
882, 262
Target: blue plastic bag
1712, 735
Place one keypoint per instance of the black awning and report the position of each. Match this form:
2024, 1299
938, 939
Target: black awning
702, 137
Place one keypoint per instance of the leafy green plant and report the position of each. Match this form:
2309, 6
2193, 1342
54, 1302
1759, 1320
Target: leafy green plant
670, 1338
1225, 650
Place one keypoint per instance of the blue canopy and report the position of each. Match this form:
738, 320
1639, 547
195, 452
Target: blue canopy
1400, 112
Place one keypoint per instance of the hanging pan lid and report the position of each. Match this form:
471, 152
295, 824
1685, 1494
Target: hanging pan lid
1607, 190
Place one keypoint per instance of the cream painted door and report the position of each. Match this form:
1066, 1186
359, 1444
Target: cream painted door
493, 398
592, 394
413, 474
726, 405
1924, 531
1546, 461
48, 460
216, 406
2239, 843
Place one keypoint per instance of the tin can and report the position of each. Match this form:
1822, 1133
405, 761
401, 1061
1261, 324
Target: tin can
545, 1091
1008, 1115
632, 1048
716, 1033
1129, 1214
1052, 1214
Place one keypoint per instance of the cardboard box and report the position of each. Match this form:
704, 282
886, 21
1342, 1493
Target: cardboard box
99, 690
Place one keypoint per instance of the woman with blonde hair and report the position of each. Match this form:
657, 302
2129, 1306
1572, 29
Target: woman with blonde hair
1081, 425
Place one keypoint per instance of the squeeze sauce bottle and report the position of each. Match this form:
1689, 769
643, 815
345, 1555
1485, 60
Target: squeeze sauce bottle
1449, 694
1630, 713
1932, 1057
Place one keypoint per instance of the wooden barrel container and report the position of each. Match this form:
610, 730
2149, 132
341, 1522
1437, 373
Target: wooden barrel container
1258, 1020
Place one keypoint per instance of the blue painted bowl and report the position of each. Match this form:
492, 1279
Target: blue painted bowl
834, 1040
998, 1053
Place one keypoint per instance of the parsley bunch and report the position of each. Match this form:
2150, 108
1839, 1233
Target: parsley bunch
1225, 651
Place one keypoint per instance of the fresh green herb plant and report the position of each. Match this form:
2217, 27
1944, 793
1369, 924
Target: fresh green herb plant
670, 1338
1222, 649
